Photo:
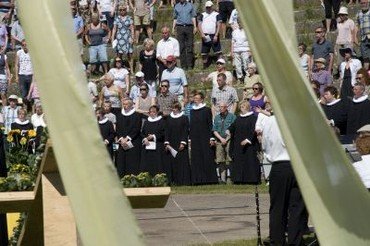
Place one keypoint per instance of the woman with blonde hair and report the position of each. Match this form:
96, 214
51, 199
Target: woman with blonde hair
111, 93
148, 62
245, 167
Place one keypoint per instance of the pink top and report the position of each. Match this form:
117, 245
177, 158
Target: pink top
344, 32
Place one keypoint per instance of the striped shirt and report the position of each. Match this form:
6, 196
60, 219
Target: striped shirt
363, 21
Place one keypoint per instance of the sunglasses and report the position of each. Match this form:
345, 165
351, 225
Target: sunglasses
256, 89
358, 78
143, 89
219, 63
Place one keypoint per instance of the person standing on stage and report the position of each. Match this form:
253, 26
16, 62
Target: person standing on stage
203, 168
221, 125
285, 196
152, 149
177, 167
129, 139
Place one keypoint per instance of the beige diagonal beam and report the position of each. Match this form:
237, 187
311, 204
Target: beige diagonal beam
336, 198
102, 213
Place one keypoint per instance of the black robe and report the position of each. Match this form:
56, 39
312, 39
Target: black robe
338, 113
358, 115
107, 132
177, 168
22, 127
203, 166
245, 167
128, 161
152, 160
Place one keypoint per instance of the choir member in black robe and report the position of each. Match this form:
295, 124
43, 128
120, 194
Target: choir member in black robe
245, 168
106, 130
203, 167
152, 149
129, 139
358, 110
21, 123
335, 109
176, 136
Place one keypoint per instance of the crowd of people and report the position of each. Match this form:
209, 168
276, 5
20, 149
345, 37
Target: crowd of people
157, 124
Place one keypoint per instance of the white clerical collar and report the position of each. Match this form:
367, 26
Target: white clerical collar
176, 115
150, 119
103, 121
196, 107
246, 114
128, 113
333, 102
21, 122
360, 99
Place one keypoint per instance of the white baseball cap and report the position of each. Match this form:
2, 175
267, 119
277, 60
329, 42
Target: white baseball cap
209, 4
221, 60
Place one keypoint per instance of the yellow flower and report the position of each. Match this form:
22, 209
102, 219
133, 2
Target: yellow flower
9, 138
32, 133
17, 131
2, 128
23, 141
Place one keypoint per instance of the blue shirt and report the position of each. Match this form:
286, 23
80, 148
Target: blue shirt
78, 23
221, 124
187, 108
177, 80
183, 13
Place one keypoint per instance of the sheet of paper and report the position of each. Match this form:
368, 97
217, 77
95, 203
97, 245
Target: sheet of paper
172, 151
152, 146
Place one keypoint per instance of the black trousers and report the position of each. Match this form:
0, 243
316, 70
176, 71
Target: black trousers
331, 5
287, 209
185, 36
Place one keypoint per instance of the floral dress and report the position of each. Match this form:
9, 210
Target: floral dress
124, 46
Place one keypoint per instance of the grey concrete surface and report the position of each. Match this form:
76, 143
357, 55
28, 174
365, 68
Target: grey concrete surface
193, 219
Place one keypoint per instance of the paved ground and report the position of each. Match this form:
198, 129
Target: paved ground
192, 219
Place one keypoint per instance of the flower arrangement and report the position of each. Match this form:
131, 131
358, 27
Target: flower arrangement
19, 178
144, 180
21, 145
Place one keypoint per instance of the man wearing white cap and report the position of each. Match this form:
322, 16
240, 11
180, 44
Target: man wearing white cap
346, 32
135, 89
220, 66
209, 23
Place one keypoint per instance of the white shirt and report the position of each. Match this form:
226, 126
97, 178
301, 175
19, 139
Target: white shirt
105, 5
168, 47
354, 65
272, 143
363, 169
24, 63
209, 22
240, 41
119, 76
38, 120
213, 76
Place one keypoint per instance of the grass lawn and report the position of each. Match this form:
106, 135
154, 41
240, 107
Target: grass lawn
218, 189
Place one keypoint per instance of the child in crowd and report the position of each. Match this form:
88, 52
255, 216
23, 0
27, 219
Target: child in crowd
92, 89
107, 107
189, 105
